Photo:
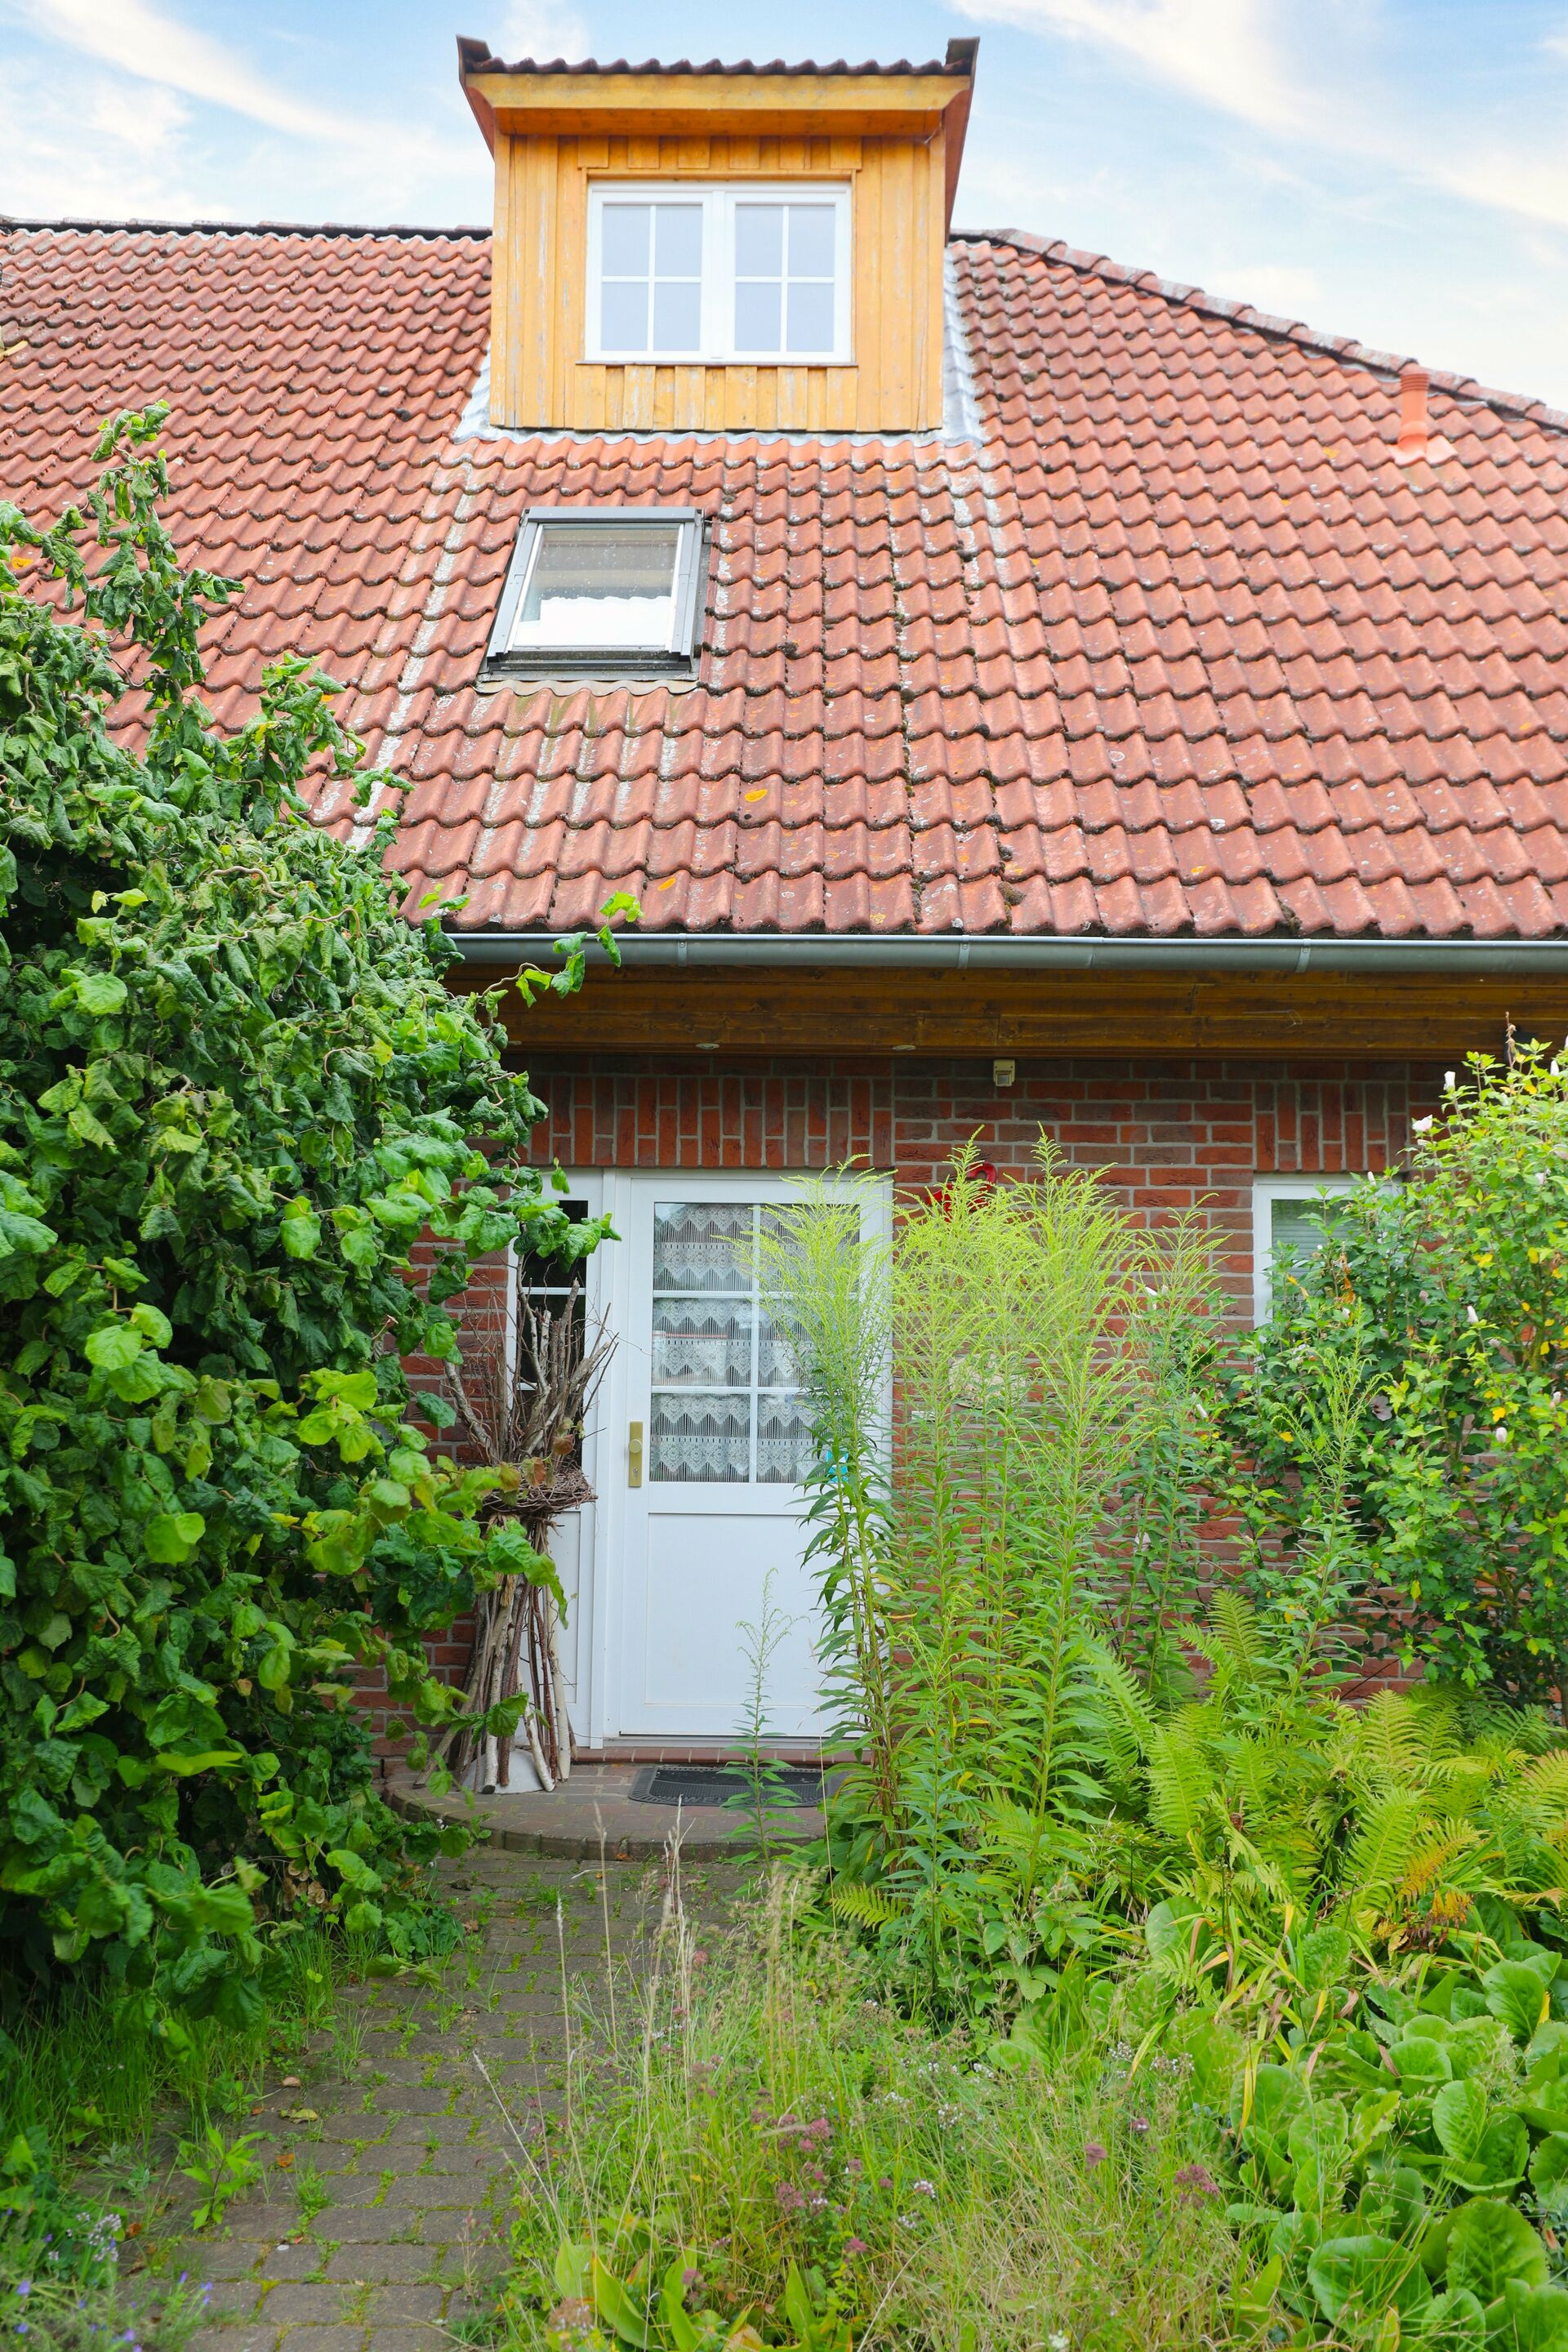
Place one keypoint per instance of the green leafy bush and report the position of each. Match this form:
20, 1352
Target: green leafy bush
1032, 1503
233, 1091
1452, 1285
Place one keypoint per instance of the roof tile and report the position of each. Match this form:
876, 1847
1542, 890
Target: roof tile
1173, 647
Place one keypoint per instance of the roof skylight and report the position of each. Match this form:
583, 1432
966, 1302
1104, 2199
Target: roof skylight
601, 591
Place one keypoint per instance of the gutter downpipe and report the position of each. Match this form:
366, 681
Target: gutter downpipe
848, 952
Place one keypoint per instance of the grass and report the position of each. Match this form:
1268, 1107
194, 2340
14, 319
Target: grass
96, 2122
757, 2106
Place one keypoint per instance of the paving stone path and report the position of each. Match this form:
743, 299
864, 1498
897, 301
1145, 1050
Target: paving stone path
382, 2227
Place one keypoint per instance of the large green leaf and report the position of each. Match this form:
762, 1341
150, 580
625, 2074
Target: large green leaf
1489, 2243
1516, 1994
1359, 2278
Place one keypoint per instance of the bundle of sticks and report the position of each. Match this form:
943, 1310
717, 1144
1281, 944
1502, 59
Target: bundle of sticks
527, 1413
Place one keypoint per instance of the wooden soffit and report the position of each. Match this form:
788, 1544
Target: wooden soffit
830, 1013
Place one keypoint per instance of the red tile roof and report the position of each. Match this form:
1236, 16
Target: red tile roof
1171, 646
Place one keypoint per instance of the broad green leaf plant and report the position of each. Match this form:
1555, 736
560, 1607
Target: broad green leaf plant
234, 1092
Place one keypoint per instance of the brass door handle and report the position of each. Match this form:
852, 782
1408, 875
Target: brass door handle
634, 1453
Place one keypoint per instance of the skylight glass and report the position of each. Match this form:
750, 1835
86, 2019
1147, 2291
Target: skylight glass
599, 585
601, 592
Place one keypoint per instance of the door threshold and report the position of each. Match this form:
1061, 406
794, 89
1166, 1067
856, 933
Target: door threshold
696, 1751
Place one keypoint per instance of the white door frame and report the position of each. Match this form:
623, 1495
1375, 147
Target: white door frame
613, 1290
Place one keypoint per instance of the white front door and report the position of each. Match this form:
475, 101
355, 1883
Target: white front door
717, 1443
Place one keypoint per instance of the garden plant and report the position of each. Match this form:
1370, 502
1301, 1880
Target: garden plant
1210, 1991
234, 1091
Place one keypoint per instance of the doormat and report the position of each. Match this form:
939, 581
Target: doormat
714, 1784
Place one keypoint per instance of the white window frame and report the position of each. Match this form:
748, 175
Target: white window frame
716, 347
1266, 1190
675, 658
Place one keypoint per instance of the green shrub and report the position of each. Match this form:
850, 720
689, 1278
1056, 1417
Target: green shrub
233, 1091
1452, 1285
1045, 1453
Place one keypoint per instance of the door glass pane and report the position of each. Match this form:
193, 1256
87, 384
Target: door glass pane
696, 1246
702, 1343
725, 1406
784, 1440
700, 1439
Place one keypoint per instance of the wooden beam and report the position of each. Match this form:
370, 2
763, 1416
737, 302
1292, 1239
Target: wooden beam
519, 101
1041, 1014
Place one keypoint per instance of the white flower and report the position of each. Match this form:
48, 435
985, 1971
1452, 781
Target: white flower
1473, 1316
1420, 1126
1447, 1082
1058, 2343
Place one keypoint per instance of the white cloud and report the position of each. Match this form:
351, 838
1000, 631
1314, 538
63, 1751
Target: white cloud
543, 29
131, 164
141, 40
1222, 51
147, 43
1233, 55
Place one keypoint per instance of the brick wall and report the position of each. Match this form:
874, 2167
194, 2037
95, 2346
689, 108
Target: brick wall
1171, 1134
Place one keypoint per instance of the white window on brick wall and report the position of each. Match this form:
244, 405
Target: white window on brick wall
718, 275
1292, 1216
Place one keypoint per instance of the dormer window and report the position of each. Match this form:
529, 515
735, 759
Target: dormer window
719, 276
607, 591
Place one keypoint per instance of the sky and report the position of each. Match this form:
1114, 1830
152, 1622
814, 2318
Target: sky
1396, 170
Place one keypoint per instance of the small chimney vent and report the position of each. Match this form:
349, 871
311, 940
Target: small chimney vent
1417, 443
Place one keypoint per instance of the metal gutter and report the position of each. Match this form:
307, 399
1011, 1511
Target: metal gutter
848, 951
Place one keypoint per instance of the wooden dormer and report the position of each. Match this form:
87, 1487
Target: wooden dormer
720, 248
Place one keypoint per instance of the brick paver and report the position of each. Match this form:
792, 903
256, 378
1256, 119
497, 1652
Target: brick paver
391, 2169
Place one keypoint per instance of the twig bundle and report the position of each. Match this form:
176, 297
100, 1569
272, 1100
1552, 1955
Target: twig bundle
528, 1417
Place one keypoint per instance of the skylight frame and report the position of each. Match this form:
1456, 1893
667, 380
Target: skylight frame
630, 663
716, 344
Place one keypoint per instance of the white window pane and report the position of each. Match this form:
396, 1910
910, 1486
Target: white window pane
599, 584
759, 240
1299, 1228
623, 241
702, 1245
811, 240
703, 1343
810, 317
699, 1441
677, 316
756, 316
623, 315
677, 241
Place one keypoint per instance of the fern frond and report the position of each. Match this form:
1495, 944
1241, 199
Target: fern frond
1132, 1710
1431, 1863
1380, 1853
868, 1906
1390, 1743
1547, 1780
1182, 1784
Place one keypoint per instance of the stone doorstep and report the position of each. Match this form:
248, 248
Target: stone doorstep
593, 1813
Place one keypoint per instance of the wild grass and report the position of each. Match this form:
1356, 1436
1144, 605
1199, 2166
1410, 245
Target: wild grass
758, 2104
93, 2114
